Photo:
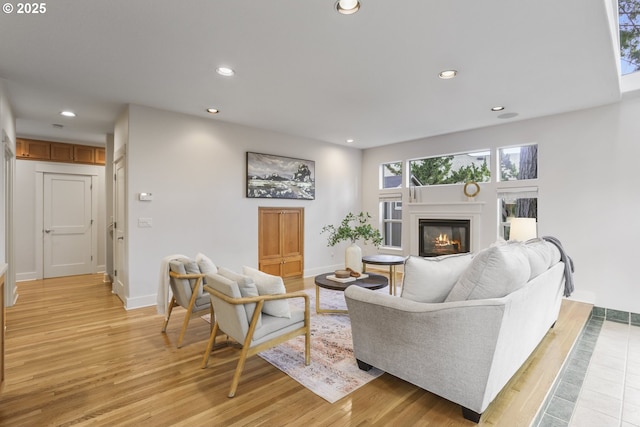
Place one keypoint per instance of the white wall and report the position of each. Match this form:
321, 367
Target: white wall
196, 168
588, 195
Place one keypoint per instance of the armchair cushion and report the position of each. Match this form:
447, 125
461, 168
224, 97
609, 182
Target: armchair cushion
268, 284
247, 289
183, 288
431, 279
494, 272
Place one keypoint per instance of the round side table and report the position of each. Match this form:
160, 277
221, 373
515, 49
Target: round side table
391, 260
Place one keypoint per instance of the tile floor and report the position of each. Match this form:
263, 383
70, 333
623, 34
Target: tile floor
600, 384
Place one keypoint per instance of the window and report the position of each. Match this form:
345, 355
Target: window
391, 175
451, 169
516, 203
518, 163
391, 209
629, 23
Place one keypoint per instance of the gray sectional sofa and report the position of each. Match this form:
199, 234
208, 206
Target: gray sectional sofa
464, 324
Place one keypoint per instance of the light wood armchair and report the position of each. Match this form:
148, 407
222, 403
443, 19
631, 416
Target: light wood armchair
257, 332
189, 297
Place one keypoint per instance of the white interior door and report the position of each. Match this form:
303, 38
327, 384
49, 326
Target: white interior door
67, 221
118, 230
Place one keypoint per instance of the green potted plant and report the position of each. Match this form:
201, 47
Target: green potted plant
353, 228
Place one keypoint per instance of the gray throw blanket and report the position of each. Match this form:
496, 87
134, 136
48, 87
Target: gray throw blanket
568, 265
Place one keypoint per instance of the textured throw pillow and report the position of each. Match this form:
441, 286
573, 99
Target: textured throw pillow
205, 264
268, 284
431, 279
494, 272
247, 289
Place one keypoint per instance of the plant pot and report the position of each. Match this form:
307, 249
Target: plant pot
353, 258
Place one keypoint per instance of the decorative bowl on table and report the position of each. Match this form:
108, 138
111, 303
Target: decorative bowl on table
342, 274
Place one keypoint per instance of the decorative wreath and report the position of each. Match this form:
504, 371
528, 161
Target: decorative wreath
474, 190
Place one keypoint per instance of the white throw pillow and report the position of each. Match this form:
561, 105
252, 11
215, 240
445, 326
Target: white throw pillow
247, 289
206, 265
268, 284
494, 272
431, 279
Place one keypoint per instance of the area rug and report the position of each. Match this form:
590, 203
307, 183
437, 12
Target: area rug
333, 372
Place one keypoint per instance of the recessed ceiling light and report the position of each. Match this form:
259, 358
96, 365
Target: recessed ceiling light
448, 74
225, 71
213, 110
497, 108
347, 7
67, 113
350, 141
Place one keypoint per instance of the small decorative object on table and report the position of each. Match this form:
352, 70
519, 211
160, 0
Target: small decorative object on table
343, 274
354, 228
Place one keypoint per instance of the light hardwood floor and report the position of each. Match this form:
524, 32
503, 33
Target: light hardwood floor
74, 356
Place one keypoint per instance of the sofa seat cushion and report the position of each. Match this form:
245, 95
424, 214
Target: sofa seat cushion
431, 279
268, 284
273, 324
494, 272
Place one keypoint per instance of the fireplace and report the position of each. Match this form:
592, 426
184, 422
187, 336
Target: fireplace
443, 236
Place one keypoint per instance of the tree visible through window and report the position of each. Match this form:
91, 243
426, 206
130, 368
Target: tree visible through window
452, 169
629, 22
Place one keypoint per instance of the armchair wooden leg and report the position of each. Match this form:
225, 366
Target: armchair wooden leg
169, 309
307, 347
239, 368
212, 340
187, 317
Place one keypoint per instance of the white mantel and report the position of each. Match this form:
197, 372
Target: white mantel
451, 210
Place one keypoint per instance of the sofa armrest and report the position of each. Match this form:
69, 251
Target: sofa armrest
445, 348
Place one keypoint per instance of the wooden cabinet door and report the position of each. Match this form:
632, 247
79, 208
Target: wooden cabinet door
2, 321
281, 241
33, 149
100, 156
83, 154
62, 152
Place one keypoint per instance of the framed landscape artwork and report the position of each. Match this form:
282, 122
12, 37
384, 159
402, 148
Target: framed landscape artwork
278, 177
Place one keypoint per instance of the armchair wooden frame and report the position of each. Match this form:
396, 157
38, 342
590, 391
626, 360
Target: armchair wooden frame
192, 301
247, 350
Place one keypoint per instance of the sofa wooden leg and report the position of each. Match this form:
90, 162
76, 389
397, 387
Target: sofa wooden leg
471, 415
363, 366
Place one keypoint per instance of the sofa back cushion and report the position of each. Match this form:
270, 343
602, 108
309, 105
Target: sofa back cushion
494, 272
431, 279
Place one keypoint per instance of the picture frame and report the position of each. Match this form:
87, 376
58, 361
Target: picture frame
278, 177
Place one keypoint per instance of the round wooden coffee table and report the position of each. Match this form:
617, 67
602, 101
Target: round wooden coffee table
374, 281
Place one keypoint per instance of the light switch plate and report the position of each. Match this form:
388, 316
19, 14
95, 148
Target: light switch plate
145, 222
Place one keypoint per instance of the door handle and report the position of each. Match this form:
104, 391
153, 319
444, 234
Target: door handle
120, 238
46, 230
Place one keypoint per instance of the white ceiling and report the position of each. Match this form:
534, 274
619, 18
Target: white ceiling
303, 69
